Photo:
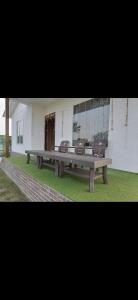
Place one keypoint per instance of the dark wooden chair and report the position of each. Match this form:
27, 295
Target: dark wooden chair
99, 150
79, 148
64, 146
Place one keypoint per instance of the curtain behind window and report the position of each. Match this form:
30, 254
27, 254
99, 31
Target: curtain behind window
91, 121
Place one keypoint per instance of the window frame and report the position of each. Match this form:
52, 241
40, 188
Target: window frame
20, 137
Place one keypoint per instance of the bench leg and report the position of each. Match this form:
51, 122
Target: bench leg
105, 179
28, 158
57, 168
91, 180
40, 162
61, 168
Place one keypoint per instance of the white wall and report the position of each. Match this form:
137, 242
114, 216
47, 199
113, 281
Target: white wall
123, 140
22, 112
38, 127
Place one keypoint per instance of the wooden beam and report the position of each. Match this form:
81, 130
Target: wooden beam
6, 127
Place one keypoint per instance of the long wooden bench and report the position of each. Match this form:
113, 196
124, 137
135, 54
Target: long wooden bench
90, 162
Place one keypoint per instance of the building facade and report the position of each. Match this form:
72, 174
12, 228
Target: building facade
41, 123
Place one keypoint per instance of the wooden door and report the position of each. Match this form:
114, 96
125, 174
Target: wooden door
50, 132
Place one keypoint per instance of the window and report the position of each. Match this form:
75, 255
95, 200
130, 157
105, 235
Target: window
19, 132
91, 121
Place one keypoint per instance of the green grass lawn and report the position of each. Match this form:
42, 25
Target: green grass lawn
123, 186
9, 192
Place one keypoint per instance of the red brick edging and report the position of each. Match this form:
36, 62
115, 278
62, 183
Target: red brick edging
33, 190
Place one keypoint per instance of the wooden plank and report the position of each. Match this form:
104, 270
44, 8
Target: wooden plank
82, 173
48, 165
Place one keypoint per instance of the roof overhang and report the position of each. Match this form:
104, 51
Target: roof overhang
15, 101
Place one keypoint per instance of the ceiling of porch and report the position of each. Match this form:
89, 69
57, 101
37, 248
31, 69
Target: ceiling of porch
42, 101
